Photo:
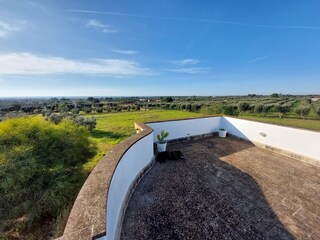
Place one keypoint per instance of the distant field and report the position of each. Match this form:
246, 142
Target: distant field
112, 128
291, 122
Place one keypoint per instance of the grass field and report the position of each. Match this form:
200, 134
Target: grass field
113, 128
291, 122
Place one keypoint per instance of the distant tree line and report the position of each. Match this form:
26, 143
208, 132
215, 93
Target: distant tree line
55, 109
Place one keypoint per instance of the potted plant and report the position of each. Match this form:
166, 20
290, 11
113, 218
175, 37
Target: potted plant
162, 144
222, 132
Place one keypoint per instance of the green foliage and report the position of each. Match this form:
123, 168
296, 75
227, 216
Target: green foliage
318, 111
99, 110
303, 111
89, 123
230, 110
168, 99
87, 110
243, 106
162, 136
281, 109
40, 169
258, 108
212, 109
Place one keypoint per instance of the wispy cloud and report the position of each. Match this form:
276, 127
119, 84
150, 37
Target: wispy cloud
99, 26
187, 66
259, 58
184, 62
6, 28
127, 52
190, 70
297, 27
32, 64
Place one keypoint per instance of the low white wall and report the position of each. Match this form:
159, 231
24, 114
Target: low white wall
133, 161
186, 127
294, 140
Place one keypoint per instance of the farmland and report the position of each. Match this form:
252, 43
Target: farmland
110, 121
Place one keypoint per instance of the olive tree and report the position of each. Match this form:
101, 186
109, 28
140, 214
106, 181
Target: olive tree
303, 111
243, 106
281, 109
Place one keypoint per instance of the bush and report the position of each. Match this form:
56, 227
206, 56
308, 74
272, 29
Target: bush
243, 106
40, 170
258, 108
212, 109
281, 109
230, 110
303, 111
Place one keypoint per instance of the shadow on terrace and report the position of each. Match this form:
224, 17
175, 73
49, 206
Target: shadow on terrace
224, 189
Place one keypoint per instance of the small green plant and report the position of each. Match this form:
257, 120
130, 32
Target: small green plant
161, 137
221, 129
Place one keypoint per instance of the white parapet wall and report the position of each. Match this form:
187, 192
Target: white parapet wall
186, 127
298, 141
134, 160
303, 143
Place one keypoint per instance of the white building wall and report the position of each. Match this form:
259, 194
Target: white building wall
187, 127
133, 161
303, 142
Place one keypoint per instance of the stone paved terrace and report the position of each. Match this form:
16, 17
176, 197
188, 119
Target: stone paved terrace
225, 189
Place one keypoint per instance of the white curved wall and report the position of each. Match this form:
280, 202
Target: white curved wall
140, 154
294, 140
186, 127
299, 141
133, 161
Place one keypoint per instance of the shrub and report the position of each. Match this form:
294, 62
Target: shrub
211, 109
303, 111
281, 109
99, 110
230, 110
258, 108
243, 106
318, 111
40, 169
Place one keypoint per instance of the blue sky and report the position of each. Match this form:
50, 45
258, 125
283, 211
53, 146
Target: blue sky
152, 48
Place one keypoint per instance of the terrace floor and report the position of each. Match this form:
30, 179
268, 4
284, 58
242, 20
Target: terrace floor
225, 189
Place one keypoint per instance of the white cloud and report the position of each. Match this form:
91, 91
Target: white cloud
128, 52
205, 20
32, 64
6, 28
99, 26
259, 58
190, 70
184, 62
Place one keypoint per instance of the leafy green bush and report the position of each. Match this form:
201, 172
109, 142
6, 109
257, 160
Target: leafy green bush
211, 109
89, 123
258, 108
281, 109
303, 111
40, 170
243, 106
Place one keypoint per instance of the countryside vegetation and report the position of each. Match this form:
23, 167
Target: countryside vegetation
49, 146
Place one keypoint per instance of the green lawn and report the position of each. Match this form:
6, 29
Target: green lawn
291, 122
113, 128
